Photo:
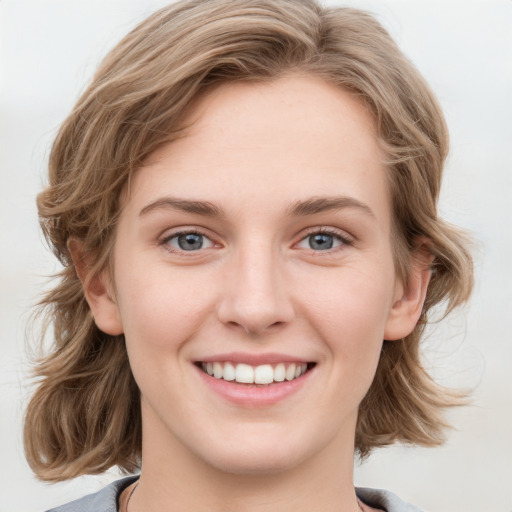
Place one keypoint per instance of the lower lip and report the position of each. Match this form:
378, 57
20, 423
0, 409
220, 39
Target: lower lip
252, 395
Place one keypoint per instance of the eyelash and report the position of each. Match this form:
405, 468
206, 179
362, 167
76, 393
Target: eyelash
343, 238
165, 241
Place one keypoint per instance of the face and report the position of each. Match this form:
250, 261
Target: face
254, 278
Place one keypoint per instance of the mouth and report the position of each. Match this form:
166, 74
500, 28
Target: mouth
260, 375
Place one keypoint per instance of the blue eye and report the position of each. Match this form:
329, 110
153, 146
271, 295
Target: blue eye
189, 241
322, 241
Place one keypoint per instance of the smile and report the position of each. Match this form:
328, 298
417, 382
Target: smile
264, 374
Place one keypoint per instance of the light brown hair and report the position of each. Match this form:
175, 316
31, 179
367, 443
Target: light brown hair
84, 416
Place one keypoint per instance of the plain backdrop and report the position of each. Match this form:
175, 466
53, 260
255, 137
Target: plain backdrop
49, 50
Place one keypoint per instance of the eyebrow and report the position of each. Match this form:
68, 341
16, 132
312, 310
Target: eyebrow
311, 206
316, 205
185, 205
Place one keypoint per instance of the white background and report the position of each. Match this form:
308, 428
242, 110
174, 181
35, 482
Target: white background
49, 50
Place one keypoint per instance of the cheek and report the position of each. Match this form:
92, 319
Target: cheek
162, 307
160, 314
350, 310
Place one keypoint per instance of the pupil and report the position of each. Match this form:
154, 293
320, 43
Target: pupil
190, 242
321, 242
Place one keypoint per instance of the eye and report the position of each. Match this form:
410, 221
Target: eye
187, 241
323, 241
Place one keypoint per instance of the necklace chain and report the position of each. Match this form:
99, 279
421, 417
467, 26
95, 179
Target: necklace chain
130, 497
135, 487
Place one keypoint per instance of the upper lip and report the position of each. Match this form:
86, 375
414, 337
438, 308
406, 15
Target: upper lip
254, 359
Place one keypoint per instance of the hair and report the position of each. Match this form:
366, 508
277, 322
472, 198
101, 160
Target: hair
84, 416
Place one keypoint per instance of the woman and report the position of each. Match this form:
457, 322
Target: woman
244, 202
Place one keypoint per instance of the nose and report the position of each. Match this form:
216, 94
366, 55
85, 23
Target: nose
255, 296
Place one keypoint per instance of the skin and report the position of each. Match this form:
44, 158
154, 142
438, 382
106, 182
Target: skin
257, 286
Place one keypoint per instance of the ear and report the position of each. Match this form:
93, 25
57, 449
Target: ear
409, 298
98, 290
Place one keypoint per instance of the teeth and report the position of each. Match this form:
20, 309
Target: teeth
290, 372
247, 374
229, 372
279, 372
263, 374
218, 370
244, 374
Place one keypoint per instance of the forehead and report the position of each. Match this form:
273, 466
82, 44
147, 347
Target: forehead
294, 136
300, 101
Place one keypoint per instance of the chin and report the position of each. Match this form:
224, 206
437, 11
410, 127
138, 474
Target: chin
256, 455
255, 464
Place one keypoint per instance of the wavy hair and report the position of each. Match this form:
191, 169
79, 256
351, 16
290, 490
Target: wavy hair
84, 416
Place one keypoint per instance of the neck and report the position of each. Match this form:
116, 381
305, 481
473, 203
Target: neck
176, 480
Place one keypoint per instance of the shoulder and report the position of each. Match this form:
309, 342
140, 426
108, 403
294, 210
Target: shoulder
102, 501
385, 500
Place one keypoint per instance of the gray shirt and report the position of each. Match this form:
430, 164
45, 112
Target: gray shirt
106, 500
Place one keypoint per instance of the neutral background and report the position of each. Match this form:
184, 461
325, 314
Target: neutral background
49, 50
